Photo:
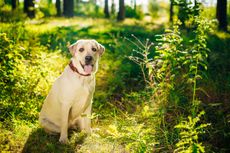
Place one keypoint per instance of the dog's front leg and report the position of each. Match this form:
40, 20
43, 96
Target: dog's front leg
64, 124
85, 120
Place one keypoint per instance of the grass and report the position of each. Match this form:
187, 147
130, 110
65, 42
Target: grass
123, 118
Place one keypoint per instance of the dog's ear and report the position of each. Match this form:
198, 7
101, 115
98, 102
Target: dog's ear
72, 48
101, 49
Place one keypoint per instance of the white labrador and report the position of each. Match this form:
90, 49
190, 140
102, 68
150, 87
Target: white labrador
70, 100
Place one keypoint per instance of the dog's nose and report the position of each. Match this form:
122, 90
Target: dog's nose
88, 58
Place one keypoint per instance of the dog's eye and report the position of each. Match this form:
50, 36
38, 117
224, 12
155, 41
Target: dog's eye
94, 49
81, 49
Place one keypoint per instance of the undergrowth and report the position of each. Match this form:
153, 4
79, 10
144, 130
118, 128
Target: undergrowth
27, 71
164, 73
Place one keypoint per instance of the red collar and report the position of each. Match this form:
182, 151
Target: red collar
73, 68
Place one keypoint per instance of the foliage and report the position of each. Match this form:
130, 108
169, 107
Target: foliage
89, 9
187, 10
198, 60
166, 66
134, 13
46, 8
24, 78
189, 133
172, 63
135, 132
137, 138
153, 8
6, 15
198, 57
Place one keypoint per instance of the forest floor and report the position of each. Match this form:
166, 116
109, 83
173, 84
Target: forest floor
58, 33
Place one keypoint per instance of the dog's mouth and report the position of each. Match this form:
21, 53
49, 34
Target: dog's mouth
88, 68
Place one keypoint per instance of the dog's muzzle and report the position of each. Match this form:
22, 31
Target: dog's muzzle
88, 60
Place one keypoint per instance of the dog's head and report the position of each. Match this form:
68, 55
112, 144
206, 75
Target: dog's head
86, 54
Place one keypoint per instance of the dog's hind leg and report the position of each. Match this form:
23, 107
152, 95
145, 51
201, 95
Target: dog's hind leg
49, 126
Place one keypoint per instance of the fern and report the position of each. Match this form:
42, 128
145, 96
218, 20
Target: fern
189, 133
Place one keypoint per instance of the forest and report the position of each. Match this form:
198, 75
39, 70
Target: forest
163, 83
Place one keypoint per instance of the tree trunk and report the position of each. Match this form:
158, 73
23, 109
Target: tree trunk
171, 11
106, 9
29, 8
68, 6
58, 7
135, 5
221, 14
14, 4
195, 2
121, 12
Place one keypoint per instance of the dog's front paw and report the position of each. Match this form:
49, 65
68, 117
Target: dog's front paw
63, 140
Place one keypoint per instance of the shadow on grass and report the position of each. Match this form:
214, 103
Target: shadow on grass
41, 142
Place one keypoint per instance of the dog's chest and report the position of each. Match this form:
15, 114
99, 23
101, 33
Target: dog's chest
83, 96
83, 92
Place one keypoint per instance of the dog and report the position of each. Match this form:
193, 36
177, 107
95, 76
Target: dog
69, 101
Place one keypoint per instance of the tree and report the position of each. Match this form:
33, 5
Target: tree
121, 12
14, 4
29, 8
106, 9
68, 6
221, 14
171, 11
58, 7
